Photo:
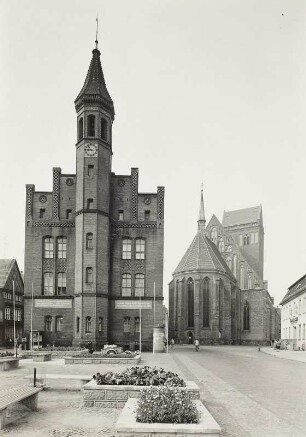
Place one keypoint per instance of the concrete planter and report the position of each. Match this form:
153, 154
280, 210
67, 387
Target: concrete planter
102, 360
127, 426
115, 396
42, 356
8, 363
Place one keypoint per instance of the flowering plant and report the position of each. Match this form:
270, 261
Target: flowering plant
143, 376
166, 405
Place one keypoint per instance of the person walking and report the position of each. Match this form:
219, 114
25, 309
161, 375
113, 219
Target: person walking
172, 343
197, 345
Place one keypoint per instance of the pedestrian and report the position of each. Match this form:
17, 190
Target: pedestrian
197, 345
172, 343
258, 347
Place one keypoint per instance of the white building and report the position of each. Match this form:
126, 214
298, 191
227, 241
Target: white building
293, 321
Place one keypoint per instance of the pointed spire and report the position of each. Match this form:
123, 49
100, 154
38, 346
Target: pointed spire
94, 90
201, 221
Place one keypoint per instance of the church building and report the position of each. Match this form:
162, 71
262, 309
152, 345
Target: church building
94, 244
217, 294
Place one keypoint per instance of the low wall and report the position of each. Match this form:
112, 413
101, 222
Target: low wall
8, 363
102, 360
42, 356
127, 426
115, 396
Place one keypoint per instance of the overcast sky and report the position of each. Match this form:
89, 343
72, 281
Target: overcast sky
204, 91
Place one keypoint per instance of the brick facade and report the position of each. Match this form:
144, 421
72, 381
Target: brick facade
86, 219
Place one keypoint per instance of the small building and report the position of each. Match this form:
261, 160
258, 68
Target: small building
293, 318
11, 285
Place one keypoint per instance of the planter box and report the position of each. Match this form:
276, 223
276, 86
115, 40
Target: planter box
102, 360
127, 426
8, 363
42, 356
115, 396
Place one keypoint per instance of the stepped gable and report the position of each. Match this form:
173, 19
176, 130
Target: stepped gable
241, 216
203, 255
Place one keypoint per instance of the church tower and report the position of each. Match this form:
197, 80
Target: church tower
95, 115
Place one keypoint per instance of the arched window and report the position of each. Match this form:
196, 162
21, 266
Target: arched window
88, 324
137, 324
140, 248
48, 323
206, 303
246, 240
59, 323
89, 240
190, 294
61, 283
214, 235
229, 262
100, 325
241, 276
126, 248
62, 247
246, 317
126, 285
48, 247
139, 284
91, 122
103, 129
249, 281
48, 284
221, 245
89, 275
81, 129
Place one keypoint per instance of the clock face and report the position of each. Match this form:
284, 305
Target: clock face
91, 150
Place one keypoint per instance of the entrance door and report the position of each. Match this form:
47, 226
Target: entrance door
190, 337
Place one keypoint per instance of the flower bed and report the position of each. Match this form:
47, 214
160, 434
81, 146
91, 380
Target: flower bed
112, 390
6, 354
102, 359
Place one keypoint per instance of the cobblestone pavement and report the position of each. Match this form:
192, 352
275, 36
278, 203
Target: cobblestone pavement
286, 354
249, 393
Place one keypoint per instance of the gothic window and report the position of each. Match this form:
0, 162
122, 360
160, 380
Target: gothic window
78, 324
126, 248
126, 324
62, 247
88, 324
214, 235
126, 284
81, 129
246, 317
206, 303
91, 121
229, 262
190, 294
42, 212
89, 240
68, 214
246, 240
249, 281
48, 323
90, 171
140, 248
103, 129
120, 215
241, 276
48, 247
89, 203
137, 324
48, 284
139, 284
59, 323
221, 245
89, 275
100, 325
147, 215
61, 283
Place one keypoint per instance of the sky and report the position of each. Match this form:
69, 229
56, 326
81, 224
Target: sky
208, 91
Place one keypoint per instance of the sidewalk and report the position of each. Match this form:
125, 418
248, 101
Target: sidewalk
286, 354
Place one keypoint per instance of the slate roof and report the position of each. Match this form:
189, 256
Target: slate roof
5, 268
295, 290
202, 255
94, 86
241, 216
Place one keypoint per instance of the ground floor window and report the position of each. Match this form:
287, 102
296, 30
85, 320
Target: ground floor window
88, 324
59, 321
126, 324
48, 323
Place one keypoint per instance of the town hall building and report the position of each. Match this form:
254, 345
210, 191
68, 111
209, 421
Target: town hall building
218, 294
94, 244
